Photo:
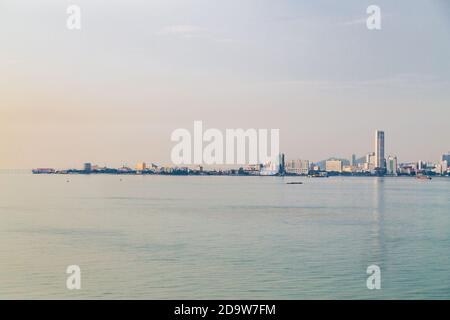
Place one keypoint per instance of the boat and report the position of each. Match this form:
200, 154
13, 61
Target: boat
318, 175
43, 171
295, 182
422, 177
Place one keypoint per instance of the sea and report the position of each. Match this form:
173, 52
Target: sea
223, 237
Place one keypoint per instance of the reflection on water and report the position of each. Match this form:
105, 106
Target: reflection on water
378, 206
223, 237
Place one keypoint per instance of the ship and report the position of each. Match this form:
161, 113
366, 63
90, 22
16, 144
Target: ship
318, 175
43, 171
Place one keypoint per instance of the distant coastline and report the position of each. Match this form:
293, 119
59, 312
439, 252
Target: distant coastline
169, 171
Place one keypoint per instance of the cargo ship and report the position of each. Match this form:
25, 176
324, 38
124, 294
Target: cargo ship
43, 171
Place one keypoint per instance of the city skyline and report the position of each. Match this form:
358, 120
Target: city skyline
377, 158
112, 92
375, 164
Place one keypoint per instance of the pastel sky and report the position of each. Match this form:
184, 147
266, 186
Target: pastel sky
112, 92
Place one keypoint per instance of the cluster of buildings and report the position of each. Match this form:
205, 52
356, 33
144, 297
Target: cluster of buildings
143, 169
372, 164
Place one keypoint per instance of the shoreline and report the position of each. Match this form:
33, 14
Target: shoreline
231, 175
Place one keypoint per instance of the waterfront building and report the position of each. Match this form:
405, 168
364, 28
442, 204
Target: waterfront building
300, 167
124, 169
423, 165
392, 166
408, 168
444, 165
379, 150
348, 169
253, 169
140, 167
272, 168
441, 168
282, 169
353, 160
333, 166
446, 157
369, 165
87, 167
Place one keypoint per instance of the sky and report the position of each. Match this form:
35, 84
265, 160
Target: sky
113, 92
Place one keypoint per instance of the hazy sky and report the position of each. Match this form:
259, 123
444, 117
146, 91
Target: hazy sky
112, 92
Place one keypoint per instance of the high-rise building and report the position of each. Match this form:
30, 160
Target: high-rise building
333, 166
444, 165
446, 157
353, 160
392, 165
441, 168
282, 164
379, 150
421, 165
87, 167
369, 165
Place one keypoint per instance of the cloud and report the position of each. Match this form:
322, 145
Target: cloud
362, 21
355, 22
406, 80
187, 31
184, 31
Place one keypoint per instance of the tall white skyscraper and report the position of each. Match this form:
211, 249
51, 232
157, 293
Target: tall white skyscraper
379, 150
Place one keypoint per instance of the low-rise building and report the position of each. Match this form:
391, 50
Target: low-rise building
140, 167
333, 166
299, 167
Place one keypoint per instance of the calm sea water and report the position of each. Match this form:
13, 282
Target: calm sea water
160, 237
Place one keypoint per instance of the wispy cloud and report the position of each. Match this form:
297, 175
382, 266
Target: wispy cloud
358, 21
187, 31
354, 22
184, 31
408, 80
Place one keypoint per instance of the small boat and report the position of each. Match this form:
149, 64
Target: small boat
295, 182
318, 175
421, 177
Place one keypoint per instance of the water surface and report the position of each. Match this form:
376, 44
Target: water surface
163, 237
